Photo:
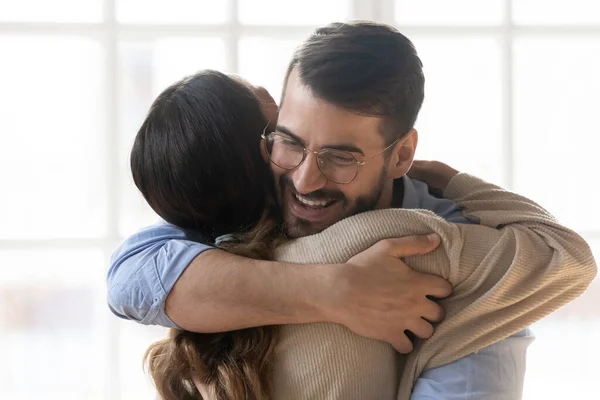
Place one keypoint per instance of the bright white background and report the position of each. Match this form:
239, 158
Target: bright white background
513, 95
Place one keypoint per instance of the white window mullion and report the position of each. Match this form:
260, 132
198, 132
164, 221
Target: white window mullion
232, 39
112, 115
507, 94
385, 11
364, 9
111, 365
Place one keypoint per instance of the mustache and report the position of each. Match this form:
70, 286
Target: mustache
321, 194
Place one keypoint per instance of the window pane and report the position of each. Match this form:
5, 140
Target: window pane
51, 11
557, 97
51, 152
444, 12
50, 324
145, 70
278, 12
461, 119
563, 357
172, 11
264, 61
556, 12
134, 341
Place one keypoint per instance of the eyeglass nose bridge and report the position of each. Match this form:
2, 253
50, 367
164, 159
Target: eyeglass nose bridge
307, 151
318, 159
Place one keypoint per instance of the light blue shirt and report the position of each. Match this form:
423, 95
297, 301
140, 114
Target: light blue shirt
145, 267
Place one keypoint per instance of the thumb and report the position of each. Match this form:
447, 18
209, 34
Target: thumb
414, 245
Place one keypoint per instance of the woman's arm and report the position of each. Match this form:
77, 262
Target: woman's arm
534, 266
506, 276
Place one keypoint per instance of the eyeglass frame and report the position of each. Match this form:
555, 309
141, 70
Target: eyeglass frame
306, 151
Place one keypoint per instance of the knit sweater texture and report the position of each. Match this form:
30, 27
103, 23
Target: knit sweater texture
515, 267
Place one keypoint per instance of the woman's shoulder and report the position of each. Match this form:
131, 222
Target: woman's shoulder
356, 233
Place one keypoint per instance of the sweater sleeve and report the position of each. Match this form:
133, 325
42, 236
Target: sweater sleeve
518, 266
505, 278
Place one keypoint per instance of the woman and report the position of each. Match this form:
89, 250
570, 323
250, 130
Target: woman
197, 160
206, 114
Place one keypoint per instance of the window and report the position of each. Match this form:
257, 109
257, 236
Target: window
146, 67
51, 119
511, 95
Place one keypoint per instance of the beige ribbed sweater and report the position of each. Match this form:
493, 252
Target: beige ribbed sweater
516, 267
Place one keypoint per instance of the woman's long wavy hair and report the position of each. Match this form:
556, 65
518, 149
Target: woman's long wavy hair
197, 161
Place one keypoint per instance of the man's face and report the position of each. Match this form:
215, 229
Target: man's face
310, 202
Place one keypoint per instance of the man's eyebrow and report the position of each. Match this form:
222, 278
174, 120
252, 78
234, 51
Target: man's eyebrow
283, 129
343, 147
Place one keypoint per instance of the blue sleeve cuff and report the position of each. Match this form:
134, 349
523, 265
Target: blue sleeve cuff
145, 268
161, 274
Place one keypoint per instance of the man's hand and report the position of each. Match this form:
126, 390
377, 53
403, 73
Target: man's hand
435, 174
380, 297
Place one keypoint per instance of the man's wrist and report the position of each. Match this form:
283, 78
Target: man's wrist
317, 297
328, 300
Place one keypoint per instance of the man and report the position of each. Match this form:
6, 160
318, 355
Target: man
352, 93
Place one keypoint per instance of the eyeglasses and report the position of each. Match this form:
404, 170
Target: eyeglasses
338, 166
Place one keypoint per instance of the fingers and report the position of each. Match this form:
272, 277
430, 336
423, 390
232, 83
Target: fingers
421, 328
412, 245
432, 312
435, 286
402, 344
434, 173
420, 166
420, 170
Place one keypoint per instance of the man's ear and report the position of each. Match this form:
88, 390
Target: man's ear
403, 154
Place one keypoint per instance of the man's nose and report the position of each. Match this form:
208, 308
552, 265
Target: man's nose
308, 177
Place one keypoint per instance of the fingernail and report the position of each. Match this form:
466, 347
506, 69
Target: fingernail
433, 237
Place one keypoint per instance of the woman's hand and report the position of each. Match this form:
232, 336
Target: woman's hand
435, 174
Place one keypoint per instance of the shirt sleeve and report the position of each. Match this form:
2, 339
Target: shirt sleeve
144, 269
496, 372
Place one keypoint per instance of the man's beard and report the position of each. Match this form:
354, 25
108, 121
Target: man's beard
295, 227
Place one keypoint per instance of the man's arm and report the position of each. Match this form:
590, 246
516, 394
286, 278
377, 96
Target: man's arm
221, 292
159, 276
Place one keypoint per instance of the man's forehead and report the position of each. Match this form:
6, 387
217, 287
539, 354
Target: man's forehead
325, 125
302, 112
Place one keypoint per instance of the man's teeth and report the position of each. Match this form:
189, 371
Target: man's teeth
312, 203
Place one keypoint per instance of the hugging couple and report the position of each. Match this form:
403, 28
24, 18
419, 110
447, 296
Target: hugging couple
305, 254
